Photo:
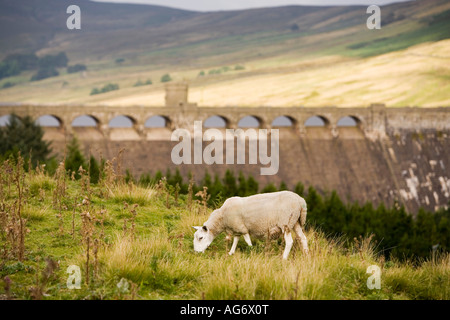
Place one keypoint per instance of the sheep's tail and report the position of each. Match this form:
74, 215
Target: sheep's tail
303, 213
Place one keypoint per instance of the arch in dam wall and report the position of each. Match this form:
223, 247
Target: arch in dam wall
250, 121
216, 121
157, 121
122, 121
156, 127
85, 120
317, 121
5, 119
49, 121
349, 121
284, 121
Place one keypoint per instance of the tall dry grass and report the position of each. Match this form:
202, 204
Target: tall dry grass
130, 193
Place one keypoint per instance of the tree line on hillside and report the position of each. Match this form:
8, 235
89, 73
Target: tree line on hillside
45, 66
397, 233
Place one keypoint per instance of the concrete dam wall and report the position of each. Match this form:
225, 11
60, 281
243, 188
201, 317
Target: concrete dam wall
390, 154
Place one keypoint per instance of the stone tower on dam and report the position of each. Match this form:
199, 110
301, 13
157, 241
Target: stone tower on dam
384, 155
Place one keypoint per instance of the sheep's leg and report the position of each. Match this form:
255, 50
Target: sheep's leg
298, 230
289, 242
233, 247
247, 239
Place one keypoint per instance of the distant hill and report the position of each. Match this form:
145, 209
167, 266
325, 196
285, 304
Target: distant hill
128, 43
30, 25
119, 29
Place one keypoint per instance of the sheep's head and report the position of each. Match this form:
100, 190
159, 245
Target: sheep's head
202, 238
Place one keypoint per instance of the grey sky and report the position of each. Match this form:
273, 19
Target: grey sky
216, 5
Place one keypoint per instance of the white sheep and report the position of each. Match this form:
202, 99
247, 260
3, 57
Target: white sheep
260, 216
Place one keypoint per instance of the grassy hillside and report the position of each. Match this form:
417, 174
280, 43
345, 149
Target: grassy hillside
136, 243
296, 55
416, 76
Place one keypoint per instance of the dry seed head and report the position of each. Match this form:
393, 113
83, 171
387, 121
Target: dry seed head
86, 215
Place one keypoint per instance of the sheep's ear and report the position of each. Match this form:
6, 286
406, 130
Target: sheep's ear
196, 228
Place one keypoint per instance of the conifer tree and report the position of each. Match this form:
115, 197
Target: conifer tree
24, 136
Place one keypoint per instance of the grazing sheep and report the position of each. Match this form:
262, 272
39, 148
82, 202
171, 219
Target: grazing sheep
260, 216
